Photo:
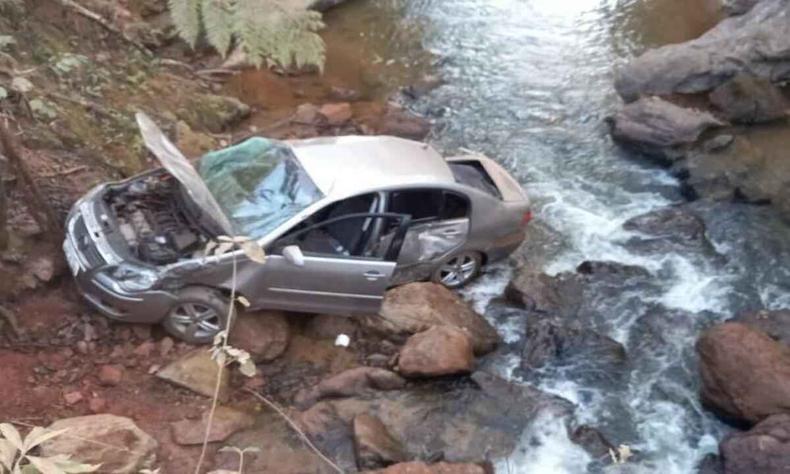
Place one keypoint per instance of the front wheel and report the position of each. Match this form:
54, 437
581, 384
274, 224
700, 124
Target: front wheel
458, 270
198, 316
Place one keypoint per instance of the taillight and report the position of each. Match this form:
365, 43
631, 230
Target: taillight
526, 218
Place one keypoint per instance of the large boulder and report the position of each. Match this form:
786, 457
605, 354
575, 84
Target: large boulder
459, 420
764, 448
198, 372
264, 334
374, 445
441, 350
673, 228
745, 373
113, 441
416, 307
418, 467
757, 42
660, 128
748, 99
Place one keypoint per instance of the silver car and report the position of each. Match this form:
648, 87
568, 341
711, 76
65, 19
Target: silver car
341, 220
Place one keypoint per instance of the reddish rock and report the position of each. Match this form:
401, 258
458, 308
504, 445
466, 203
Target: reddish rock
441, 350
97, 405
336, 114
401, 123
374, 445
306, 114
745, 373
350, 383
764, 449
264, 334
72, 398
417, 467
145, 349
165, 346
110, 375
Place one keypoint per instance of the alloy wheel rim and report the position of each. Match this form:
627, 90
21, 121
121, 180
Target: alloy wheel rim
195, 320
458, 270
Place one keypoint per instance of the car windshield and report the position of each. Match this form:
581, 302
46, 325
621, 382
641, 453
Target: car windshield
259, 185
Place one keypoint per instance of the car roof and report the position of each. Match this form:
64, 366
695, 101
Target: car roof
343, 166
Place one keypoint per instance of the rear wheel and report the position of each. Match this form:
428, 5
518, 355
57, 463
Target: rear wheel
458, 270
198, 316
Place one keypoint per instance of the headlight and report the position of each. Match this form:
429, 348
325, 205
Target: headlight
133, 278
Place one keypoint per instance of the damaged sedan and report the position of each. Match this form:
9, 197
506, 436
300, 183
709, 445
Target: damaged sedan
341, 219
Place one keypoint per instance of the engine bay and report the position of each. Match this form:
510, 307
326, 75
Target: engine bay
151, 219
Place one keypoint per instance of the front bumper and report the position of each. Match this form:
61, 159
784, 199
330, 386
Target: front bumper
88, 255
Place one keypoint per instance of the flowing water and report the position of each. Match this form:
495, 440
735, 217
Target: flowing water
529, 83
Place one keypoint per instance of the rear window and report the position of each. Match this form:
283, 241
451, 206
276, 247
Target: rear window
472, 173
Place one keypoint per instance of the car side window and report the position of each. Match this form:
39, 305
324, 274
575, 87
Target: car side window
420, 204
455, 206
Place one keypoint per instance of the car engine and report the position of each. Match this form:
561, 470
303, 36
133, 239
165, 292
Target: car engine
150, 219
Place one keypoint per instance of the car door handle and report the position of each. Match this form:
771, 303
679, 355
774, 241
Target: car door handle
373, 275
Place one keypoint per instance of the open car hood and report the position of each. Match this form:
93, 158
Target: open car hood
177, 164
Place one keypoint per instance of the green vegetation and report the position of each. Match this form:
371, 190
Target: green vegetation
274, 32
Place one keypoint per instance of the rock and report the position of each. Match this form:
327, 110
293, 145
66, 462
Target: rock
576, 350
336, 114
710, 464
165, 346
659, 128
91, 440
97, 405
344, 94
415, 307
757, 42
748, 99
441, 350
459, 420
329, 326
717, 143
418, 467
214, 113
43, 268
774, 323
72, 398
306, 114
264, 334
745, 373
374, 446
324, 5
349, 383
764, 449
593, 441
668, 222
402, 123
196, 371
145, 349
227, 421
110, 375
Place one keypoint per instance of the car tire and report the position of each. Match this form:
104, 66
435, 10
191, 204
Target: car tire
198, 315
458, 269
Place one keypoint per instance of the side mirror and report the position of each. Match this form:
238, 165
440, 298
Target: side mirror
293, 255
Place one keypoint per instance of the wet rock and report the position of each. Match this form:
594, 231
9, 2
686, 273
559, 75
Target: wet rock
674, 228
764, 449
336, 114
264, 334
110, 375
745, 373
710, 464
717, 143
418, 467
416, 307
774, 323
459, 420
738, 7
659, 128
349, 383
593, 441
757, 42
196, 371
538, 291
226, 422
441, 350
551, 342
402, 123
93, 439
374, 445
748, 99
332, 433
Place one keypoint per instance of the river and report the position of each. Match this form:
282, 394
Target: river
529, 83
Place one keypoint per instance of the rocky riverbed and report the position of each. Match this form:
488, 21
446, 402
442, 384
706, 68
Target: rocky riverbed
639, 329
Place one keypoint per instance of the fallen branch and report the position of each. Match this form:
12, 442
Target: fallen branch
296, 428
93, 16
41, 211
